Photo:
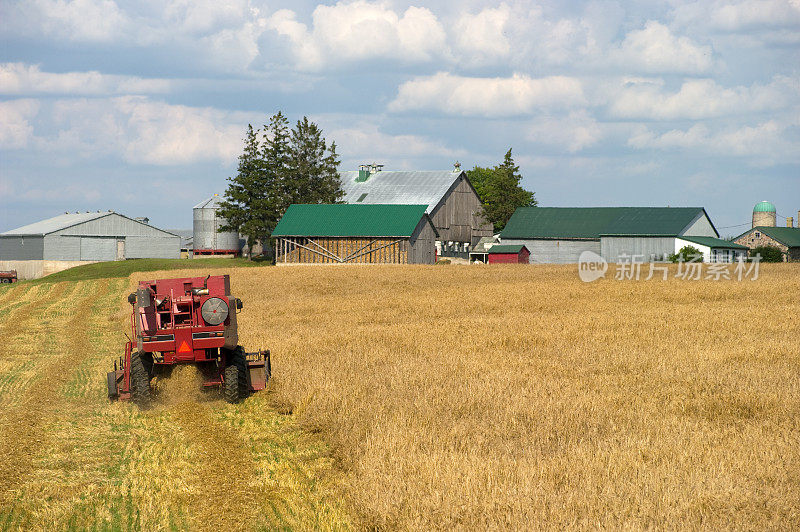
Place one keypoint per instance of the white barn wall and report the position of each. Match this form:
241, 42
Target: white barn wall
701, 226
612, 247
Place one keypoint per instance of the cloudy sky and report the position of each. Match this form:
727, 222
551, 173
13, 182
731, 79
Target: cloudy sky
141, 106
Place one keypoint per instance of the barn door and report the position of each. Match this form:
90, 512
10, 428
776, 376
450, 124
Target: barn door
120, 250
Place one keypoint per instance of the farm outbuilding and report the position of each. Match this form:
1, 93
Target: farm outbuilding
207, 238
365, 234
508, 254
88, 236
561, 234
449, 198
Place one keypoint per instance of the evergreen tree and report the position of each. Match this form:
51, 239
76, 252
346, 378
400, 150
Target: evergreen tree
277, 168
314, 166
242, 207
500, 191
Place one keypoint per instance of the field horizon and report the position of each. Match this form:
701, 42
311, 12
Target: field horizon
414, 397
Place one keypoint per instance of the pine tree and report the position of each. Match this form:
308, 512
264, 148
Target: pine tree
277, 168
315, 172
241, 207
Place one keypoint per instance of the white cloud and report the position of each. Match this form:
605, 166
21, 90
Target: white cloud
574, 132
656, 49
490, 97
365, 141
357, 31
481, 37
79, 20
739, 16
140, 131
20, 78
702, 98
768, 141
16, 129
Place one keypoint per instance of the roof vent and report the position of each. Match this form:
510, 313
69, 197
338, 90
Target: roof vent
457, 166
366, 170
143, 219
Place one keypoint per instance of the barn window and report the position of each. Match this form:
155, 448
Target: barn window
361, 197
758, 235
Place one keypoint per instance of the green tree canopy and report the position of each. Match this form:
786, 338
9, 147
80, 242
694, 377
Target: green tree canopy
500, 191
279, 167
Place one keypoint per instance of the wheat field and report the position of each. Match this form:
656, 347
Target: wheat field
414, 397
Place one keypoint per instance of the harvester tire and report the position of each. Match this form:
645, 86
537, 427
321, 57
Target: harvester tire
140, 381
236, 386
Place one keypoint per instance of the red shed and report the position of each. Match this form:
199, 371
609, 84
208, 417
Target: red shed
508, 254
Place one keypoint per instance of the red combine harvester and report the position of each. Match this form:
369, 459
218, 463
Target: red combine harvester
8, 277
186, 321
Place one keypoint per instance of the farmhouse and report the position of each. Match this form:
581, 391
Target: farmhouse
88, 236
561, 234
367, 234
449, 199
787, 239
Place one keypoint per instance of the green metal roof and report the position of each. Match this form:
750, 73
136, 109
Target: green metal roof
506, 248
712, 242
591, 222
764, 206
349, 220
788, 236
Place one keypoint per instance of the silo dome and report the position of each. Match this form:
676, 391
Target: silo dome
207, 238
764, 214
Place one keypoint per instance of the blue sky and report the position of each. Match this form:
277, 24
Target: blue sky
141, 107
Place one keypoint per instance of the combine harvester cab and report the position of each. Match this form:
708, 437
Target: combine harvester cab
186, 321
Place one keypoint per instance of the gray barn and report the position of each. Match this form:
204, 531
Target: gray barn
88, 236
452, 203
561, 234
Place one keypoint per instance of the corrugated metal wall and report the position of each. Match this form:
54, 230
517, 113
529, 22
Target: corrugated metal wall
166, 247
556, 251
98, 240
21, 248
456, 218
422, 248
650, 248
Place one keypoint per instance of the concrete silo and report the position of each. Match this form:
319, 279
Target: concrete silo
207, 238
764, 214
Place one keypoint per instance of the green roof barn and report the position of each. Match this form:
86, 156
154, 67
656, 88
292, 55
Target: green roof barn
356, 233
561, 234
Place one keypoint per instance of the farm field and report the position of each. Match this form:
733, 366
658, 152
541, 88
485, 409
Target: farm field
409, 397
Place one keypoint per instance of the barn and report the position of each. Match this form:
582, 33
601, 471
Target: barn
363, 234
449, 197
561, 234
88, 236
508, 254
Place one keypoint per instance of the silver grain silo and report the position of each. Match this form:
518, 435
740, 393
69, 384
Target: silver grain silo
207, 238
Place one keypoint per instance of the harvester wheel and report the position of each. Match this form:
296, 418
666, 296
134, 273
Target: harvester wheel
140, 381
236, 386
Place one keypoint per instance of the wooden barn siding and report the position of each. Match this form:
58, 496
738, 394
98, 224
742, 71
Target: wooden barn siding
456, 217
422, 248
391, 250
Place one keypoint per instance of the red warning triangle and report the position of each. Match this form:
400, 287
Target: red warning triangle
184, 348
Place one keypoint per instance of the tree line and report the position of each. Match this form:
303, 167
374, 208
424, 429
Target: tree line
280, 166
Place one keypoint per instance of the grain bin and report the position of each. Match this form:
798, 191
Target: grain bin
207, 238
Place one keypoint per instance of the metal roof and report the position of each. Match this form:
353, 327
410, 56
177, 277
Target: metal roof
350, 220
57, 223
712, 242
210, 203
788, 236
399, 188
591, 222
764, 206
480, 247
506, 248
